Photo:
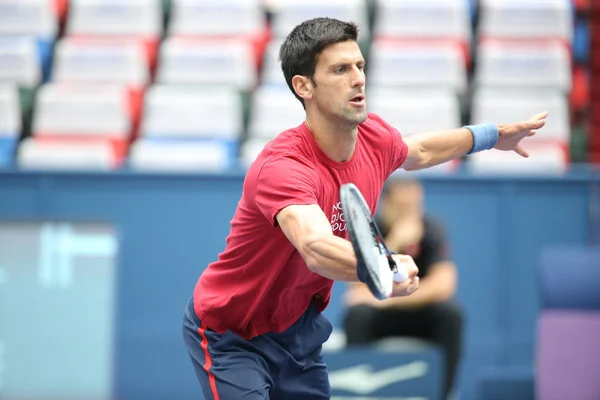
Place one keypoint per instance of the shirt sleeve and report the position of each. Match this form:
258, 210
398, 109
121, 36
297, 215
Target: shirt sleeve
395, 145
399, 149
285, 181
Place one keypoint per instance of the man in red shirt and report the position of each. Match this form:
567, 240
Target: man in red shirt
254, 327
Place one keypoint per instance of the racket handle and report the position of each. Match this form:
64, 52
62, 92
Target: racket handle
401, 274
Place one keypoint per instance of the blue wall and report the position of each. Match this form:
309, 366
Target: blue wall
172, 226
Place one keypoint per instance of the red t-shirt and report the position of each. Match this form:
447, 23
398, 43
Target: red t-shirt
260, 283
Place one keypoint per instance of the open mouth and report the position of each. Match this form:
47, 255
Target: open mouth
358, 100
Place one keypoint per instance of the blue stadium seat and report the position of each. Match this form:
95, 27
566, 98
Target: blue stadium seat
8, 147
568, 329
581, 41
10, 122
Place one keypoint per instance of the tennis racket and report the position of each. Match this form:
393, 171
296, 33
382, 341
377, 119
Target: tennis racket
375, 265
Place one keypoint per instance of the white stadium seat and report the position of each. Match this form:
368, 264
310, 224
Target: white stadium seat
228, 62
37, 154
100, 61
188, 111
192, 156
413, 111
216, 18
271, 72
501, 64
423, 19
137, 18
275, 109
289, 13
504, 105
526, 19
417, 65
250, 149
10, 110
82, 110
20, 60
28, 18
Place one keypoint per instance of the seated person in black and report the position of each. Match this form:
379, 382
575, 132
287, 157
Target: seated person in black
429, 313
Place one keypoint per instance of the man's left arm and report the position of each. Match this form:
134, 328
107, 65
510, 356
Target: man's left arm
437, 147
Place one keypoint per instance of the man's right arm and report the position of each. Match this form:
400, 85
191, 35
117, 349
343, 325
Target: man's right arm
307, 227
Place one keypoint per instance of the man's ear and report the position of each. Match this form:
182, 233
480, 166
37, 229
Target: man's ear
303, 86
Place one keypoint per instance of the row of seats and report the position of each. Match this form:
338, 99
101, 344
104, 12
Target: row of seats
232, 62
184, 112
212, 89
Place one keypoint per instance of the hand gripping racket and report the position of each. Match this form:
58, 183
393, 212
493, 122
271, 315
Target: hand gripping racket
375, 265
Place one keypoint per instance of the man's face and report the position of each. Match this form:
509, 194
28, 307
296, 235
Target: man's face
340, 83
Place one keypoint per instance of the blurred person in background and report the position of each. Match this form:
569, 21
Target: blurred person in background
430, 313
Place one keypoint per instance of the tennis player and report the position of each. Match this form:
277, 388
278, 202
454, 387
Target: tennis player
254, 327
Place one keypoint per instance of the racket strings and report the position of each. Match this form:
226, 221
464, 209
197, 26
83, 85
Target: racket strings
367, 238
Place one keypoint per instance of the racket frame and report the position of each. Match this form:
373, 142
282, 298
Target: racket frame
350, 189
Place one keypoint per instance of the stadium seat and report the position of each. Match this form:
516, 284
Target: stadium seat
274, 110
568, 350
271, 73
221, 20
87, 110
423, 21
84, 114
289, 13
502, 64
411, 110
20, 61
21, 64
250, 149
225, 18
36, 19
200, 61
10, 122
139, 19
189, 127
507, 105
39, 154
415, 65
526, 19
100, 61
61, 8
191, 111
182, 155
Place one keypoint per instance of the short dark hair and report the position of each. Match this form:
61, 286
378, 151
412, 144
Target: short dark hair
299, 52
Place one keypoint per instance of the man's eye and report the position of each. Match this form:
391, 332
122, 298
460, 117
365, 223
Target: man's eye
339, 70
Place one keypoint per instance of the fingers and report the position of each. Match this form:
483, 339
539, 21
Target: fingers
406, 288
408, 263
542, 115
521, 151
537, 124
533, 132
412, 286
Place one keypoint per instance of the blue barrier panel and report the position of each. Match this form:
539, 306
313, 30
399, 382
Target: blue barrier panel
387, 373
170, 227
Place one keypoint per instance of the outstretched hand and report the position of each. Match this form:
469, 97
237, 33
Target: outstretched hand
510, 135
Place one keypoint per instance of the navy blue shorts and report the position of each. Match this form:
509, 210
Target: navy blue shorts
288, 365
